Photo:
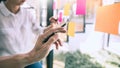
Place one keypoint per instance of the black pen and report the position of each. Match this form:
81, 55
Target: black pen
46, 39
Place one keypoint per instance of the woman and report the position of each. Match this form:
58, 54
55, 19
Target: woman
16, 27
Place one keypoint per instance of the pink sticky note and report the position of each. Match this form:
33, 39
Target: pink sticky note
60, 17
81, 7
54, 5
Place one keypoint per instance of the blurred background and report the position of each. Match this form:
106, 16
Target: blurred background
87, 48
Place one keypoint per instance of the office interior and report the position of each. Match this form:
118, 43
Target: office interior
88, 48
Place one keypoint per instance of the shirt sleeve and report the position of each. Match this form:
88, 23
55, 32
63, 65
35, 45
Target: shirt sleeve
35, 25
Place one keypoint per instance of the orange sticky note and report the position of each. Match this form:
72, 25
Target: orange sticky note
107, 19
67, 9
119, 28
71, 29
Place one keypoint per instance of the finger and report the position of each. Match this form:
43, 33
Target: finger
51, 40
42, 37
56, 44
53, 20
39, 42
59, 42
51, 31
49, 27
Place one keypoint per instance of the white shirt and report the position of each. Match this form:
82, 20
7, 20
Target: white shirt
16, 31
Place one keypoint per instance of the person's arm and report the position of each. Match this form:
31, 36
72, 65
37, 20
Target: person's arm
16, 61
40, 51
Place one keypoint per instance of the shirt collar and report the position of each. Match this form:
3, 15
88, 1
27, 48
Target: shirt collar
5, 11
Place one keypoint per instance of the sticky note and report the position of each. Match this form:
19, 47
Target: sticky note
79, 27
54, 5
67, 9
81, 7
60, 17
58, 4
119, 29
71, 29
107, 19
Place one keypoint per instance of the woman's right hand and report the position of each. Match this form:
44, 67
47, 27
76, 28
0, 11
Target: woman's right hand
41, 49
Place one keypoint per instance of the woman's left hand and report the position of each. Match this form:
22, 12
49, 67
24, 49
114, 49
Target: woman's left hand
54, 24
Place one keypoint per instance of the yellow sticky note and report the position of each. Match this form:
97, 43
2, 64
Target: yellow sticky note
67, 9
71, 29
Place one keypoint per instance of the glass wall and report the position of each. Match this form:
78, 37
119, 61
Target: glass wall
88, 48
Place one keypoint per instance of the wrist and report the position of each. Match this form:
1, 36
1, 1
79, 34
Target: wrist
28, 59
23, 59
32, 57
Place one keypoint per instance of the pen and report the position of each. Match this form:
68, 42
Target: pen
46, 39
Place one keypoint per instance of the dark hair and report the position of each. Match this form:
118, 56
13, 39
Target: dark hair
2, 0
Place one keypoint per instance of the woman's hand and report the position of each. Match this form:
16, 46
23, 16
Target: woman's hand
37, 53
54, 24
42, 49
